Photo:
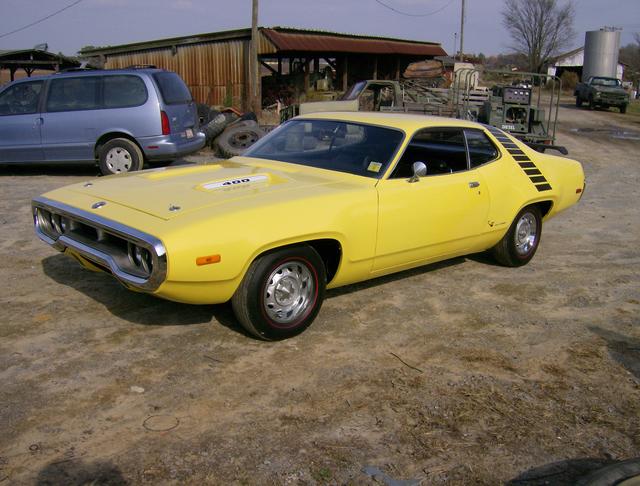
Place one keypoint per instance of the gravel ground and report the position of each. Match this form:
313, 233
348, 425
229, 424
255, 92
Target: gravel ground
459, 373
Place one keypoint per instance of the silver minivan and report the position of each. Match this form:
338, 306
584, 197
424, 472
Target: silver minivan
117, 118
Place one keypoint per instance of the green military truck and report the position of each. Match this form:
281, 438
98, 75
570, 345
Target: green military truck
603, 92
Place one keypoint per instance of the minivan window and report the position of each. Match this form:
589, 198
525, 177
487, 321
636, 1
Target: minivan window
172, 88
72, 94
21, 98
124, 91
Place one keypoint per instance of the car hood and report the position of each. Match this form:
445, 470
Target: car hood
610, 89
324, 106
173, 191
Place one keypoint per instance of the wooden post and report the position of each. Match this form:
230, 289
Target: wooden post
256, 91
375, 67
280, 66
398, 69
306, 75
345, 73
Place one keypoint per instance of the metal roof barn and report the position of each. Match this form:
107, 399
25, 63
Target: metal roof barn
215, 66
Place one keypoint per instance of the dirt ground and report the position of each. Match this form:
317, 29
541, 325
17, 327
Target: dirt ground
458, 373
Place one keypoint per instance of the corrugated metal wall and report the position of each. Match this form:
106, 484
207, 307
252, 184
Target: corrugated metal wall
209, 69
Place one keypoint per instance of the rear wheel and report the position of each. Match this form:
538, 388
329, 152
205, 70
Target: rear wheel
518, 246
281, 293
118, 156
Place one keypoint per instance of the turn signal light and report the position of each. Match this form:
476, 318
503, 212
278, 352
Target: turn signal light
207, 260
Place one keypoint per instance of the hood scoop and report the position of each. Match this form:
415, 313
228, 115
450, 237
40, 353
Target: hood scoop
236, 182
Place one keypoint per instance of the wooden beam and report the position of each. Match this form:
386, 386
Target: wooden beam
268, 67
398, 69
280, 66
375, 67
316, 65
331, 63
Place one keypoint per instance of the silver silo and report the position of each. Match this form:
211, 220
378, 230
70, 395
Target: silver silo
601, 53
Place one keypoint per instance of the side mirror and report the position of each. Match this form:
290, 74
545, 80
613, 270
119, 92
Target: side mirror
419, 170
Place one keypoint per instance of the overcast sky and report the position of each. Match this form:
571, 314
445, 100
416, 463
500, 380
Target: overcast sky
113, 22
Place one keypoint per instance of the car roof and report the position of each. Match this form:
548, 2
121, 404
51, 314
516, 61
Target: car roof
405, 121
89, 72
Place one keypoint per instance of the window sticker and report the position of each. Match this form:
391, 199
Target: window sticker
374, 167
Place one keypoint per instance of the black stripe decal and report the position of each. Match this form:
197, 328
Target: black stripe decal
504, 139
531, 172
527, 165
521, 158
537, 179
543, 187
510, 145
515, 151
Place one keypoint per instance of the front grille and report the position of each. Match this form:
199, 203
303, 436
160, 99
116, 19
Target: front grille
135, 258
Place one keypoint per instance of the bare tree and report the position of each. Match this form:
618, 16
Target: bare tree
538, 28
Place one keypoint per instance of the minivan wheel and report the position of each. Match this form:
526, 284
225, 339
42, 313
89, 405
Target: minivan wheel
118, 156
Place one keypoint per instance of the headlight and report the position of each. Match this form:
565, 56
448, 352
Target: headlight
140, 257
44, 221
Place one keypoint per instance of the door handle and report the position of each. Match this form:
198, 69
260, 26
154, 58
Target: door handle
473, 184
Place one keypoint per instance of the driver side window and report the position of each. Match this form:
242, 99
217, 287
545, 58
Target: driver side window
441, 149
21, 98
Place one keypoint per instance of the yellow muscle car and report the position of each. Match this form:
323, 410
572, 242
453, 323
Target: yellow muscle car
325, 200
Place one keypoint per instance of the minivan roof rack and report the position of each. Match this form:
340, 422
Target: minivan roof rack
142, 66
73, 70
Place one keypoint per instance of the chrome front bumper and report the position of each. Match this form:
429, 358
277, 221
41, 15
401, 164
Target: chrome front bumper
137, 259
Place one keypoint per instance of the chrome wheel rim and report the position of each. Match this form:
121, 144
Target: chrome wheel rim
526, 233
118, 160
289, 292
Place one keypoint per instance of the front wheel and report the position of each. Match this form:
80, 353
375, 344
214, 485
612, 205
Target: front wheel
518, 246
623, 109
578, 101
119, 155
281, 293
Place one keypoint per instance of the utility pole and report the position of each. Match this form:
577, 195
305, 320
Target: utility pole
462, 33
254, 64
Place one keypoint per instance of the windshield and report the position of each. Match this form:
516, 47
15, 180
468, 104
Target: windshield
606, 82
354, 148
353, 92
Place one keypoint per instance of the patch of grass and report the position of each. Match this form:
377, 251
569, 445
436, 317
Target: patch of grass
322, 475
634, 107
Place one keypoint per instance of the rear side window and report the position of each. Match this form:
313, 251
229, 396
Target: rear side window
172, 88
442, 150
124, 91
73, 94
481, 150
21, 98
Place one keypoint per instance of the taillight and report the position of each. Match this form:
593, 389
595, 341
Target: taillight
166, 128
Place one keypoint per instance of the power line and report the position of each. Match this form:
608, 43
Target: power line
73, 4
413, 15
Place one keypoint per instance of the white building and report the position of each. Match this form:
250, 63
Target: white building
573, 61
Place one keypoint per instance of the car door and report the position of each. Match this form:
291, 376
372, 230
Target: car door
441, 214
20, 122
70, 118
